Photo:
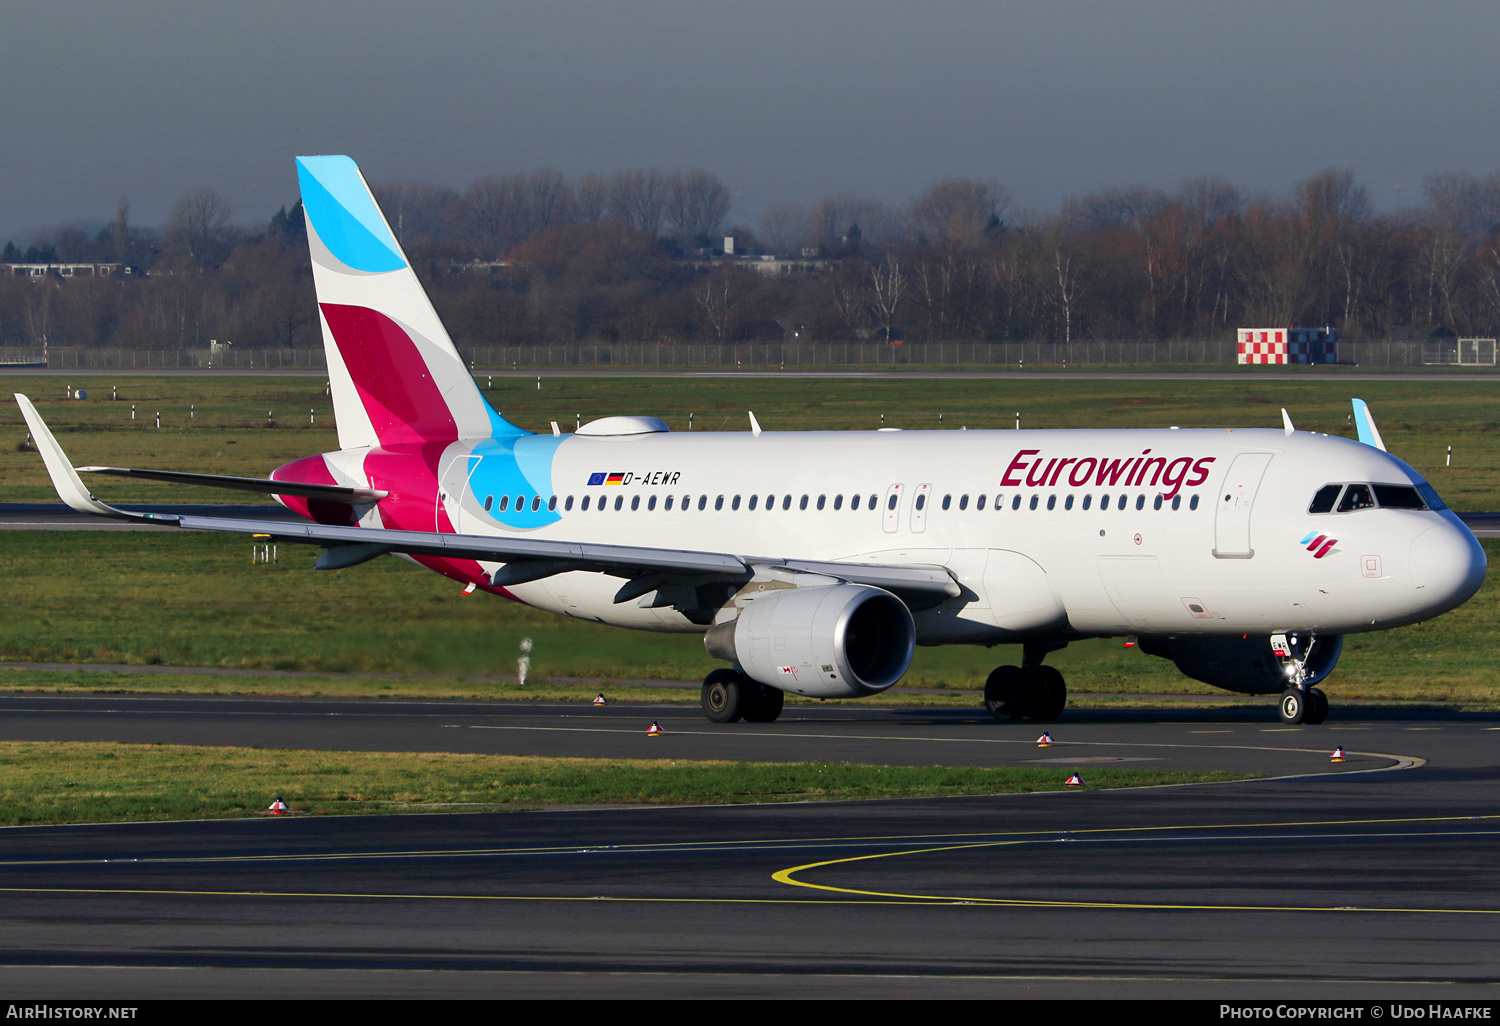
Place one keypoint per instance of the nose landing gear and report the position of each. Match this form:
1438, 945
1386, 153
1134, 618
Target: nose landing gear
1300, 702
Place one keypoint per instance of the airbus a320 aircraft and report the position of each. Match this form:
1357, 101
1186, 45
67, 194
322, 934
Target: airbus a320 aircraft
814, 562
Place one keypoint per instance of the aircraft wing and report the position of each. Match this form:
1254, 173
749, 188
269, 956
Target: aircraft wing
525, 558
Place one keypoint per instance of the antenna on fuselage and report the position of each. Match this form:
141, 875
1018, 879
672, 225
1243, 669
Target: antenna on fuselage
754, 424
1286, 421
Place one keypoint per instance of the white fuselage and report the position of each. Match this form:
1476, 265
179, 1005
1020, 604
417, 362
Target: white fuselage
1201, 532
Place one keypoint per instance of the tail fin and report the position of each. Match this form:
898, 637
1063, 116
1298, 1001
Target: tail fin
395, 377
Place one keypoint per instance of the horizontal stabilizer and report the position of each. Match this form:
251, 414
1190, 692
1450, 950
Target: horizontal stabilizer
333, 493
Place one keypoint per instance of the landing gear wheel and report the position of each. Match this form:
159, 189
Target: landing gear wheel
724, 696
1006, 695
1049, 694
1295, 706
762, 703
1317, 706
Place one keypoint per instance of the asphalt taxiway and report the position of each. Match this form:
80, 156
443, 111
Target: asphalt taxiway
1364, 880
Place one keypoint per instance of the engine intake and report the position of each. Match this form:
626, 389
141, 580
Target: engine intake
837, 641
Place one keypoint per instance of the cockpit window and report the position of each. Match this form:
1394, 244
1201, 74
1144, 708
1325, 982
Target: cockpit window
1356, 496
1398, 497
1430, 494
1324, 500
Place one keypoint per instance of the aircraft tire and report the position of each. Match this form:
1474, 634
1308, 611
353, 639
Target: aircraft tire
1049, 693
1006, 695
724, 696
1295, 706
1317, 706
763, 702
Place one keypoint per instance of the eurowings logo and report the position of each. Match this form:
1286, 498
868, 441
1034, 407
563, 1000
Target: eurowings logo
1319, 545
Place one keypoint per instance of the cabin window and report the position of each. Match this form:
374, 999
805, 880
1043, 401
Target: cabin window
703, 502
489, 500
1356, 496
552, 504
1033, 502
979, 502
838, 502
719, 503
735, 503
947, 501
870, 504
1324, 500
1156, 502
786, 502
1176, 502
635, 503
1087, 501
921, 501
651, 503
821, 500
1068, 502
1051, 502
1193, 502
668, 504
963, 502
854, 502
504, 503
1140, 502
520, 503
754, 499
891, 502
536, 504
568, 505
803, 503
585, 505
1122, 502
620, 501
1015, 503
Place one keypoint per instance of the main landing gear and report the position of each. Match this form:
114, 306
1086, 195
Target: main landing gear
1030, 689
729, 696
1303, 705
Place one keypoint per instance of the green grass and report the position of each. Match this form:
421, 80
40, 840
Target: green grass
181, 599
1419, 419
65, 782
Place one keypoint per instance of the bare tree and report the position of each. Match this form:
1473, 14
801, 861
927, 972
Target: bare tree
549, 200
717, 299
959, 211
416, 210
784, 228
888, 283
697, 204
835, 220
593, 199
120, 233
199, 228
639, 198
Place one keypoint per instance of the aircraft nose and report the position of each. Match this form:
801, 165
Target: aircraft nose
1448, 566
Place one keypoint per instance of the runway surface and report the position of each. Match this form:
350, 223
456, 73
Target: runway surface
1378, 883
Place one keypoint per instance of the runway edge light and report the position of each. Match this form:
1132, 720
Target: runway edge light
1075, 780
278, 807
599, 699
1045, 741
654, 730
1339, 755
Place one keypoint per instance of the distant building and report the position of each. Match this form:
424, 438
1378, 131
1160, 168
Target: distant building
66, 270
1288, 345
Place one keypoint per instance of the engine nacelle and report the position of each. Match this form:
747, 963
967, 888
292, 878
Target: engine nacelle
837, 641
1245, 665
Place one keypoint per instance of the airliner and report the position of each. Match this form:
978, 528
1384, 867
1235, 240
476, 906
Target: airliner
813, 562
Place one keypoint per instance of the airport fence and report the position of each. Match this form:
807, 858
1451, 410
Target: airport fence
705, 355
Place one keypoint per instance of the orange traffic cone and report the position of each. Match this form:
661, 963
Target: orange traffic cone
1075, 780
599, 698
278, 807
1045, 741
1339, 755
654, 730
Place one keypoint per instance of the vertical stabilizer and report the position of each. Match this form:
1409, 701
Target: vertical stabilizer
395, 376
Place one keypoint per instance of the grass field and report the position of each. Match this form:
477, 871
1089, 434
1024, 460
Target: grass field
228, 433
92, 783
195, 600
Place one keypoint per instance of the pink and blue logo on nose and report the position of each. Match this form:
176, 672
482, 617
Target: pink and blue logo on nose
1319, 545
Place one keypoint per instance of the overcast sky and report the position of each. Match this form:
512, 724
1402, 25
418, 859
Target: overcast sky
784, 101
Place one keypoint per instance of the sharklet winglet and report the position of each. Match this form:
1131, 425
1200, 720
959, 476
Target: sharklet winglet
1365, 424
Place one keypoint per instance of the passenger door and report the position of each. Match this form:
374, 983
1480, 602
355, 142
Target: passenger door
1236, 501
